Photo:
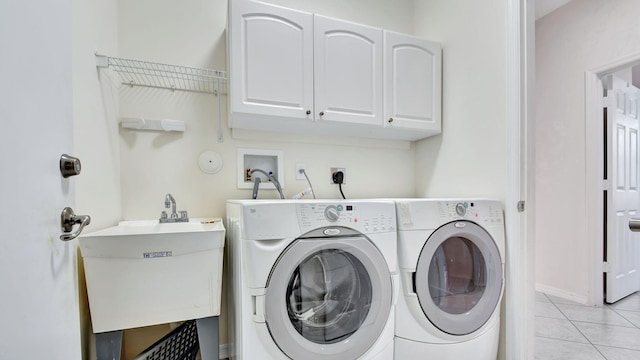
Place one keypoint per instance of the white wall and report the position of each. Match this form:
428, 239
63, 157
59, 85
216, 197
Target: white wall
96, 140
468, 159
97, 143
581, 35
193, 34
396, 15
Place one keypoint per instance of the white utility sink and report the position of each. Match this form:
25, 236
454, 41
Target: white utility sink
142, 273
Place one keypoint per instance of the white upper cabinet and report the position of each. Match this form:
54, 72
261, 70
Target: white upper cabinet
271, 59
413, 80
348, 72
292, 71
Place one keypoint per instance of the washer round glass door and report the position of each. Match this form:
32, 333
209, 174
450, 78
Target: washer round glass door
459, 277
328, 297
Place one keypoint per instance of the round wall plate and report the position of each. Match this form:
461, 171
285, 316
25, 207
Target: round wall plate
210, 162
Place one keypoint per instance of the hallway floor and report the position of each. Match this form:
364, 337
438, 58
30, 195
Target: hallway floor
567, 330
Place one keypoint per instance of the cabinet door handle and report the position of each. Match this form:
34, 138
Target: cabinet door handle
308, 112
321, 113
390, 120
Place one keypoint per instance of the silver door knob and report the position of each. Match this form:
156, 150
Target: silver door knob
69, 165
68, 219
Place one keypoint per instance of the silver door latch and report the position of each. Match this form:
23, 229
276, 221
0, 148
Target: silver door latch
68, 219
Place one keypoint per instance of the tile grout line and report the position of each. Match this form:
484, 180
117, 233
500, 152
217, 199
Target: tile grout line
573, 323
580, 331
624, 317
571, 341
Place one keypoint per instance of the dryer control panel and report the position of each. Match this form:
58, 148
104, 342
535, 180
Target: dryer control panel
480, 211
366, 217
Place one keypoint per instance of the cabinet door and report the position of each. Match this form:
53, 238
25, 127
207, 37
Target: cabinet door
413, 78
270, 61
347, 72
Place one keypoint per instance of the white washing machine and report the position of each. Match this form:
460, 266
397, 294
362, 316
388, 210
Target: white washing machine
451, 264
312, 279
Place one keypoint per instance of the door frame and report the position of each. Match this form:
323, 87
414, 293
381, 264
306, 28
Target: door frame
517, 336
594, 172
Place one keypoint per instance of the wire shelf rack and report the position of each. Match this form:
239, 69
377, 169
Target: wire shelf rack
163, 76
166, 76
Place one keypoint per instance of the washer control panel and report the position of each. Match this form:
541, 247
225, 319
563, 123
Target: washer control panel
362, 216
478, 211
332, 213
461, 209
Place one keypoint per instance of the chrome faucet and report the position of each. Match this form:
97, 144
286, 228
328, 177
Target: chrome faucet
272, 178
170, 201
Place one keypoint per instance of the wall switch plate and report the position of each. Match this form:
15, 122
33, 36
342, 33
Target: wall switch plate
299, 175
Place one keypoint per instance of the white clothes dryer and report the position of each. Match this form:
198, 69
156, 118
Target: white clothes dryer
312, 279
451, 264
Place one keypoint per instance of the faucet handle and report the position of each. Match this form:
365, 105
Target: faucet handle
184, 216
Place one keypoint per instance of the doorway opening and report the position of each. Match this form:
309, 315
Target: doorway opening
620, 185
612, 174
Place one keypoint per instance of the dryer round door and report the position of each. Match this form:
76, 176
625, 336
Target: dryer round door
459, 277
328, 297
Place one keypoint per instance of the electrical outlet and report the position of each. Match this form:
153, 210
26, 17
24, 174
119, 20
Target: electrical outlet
344, 175
299, 175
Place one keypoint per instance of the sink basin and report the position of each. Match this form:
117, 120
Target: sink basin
142, 273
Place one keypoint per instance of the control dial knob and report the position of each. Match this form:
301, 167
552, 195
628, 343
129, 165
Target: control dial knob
331, 213
461, 209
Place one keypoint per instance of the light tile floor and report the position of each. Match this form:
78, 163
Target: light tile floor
566, 330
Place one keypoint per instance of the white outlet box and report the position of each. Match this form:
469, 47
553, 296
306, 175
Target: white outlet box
344, 173
269, 161
299, 175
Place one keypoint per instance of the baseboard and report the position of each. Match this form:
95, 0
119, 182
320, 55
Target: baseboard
563, 294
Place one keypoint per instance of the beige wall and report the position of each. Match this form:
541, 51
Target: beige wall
396, 15
153, 164
580, 36
95, 108
468, 159
133, 177
96, 140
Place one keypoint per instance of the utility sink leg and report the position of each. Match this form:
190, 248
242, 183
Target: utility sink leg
208, 337
109, 345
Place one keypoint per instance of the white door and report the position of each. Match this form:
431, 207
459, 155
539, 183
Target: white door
40, 310
623, 198
412, 83
347, 72
271, 61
